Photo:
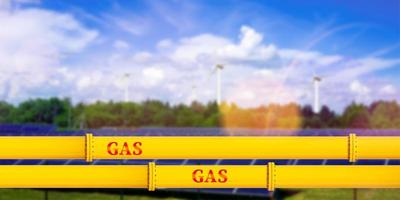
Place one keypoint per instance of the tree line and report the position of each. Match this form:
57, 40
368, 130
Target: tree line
154, 113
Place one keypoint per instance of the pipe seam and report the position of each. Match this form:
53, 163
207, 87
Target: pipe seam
152, 176
89, 147
271, 176
352, 147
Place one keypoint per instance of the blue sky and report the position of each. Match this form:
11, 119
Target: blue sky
372, 24
271, 50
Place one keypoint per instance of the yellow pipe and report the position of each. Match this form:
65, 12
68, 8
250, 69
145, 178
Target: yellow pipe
378, 147
130, 147
78, 176
199, 176
222, 147
211, 176
353, 176
38, 147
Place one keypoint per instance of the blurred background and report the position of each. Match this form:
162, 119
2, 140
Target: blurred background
199, 68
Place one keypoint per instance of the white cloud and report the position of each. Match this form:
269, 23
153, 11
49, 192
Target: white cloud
6, 5
249, 47
142, 56
195, 48
26, 1
178, 14
249, 38
121, 45
152, 76
388, 90
358, 67
166, 43
310, 57
33, 46
359, 88
135, 25
84, 82
267, 73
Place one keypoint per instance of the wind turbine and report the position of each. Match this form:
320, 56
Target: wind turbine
316, 81
125, 80
218, 69
193, 96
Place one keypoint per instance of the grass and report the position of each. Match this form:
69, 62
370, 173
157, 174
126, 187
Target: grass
347, 194
307, 194
30, 194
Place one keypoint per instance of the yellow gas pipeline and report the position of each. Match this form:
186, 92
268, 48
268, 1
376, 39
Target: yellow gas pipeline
199, 176
91, 147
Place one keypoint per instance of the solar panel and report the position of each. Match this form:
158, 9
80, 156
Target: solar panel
8, 162
393, 162
309, 162
137, 162
107, 162
235, 162
201, 162
26, 129
277, 162
370, 162
56, 162
169, 162
28, 162
337, 162
251, 192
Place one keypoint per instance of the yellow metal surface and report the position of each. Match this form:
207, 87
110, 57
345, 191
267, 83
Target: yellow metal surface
57, 176
221, 147
378, 147
127, 147
211, 176
37, 147
199, 176
337, 176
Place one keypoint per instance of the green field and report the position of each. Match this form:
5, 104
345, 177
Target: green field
328, 194
29, 194
347, 194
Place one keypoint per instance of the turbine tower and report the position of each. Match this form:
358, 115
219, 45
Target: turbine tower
218, 69
193, 96
126, 89
316, 81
